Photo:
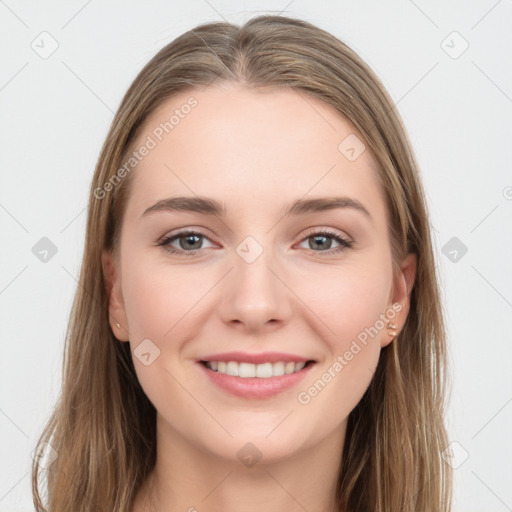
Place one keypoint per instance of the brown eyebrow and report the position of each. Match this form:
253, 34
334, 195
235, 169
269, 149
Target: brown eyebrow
202, 205
207, 206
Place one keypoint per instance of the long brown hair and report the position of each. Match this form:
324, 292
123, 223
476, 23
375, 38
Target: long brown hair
103, 428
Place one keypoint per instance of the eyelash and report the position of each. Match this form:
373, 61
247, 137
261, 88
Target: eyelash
344, 243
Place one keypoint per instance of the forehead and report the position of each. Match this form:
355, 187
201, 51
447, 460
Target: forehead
255, 148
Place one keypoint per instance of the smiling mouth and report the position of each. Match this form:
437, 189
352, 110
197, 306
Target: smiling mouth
262, 371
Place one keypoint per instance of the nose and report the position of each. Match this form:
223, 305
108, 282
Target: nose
255, 296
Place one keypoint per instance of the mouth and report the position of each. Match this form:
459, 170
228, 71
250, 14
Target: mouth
255, 376
255, 381
247, 370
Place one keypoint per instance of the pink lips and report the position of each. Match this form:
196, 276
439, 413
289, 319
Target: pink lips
254, 387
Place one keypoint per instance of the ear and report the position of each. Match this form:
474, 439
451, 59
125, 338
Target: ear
117, 313
401, 299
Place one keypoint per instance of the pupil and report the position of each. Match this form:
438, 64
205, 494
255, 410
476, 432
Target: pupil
189, 237
321, 238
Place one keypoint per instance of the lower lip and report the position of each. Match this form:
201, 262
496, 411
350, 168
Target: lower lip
254, 387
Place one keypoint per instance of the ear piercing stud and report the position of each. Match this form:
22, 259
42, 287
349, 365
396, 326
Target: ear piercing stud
392, 327
118, 325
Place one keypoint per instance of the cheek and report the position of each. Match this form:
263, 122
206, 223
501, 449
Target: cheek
157, 298
163, 305
353, 311
347, 300
159, 303
351, 303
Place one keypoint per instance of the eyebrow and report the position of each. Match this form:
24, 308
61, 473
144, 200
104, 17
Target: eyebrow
208, 206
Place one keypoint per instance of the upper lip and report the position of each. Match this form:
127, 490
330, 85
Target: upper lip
256, 358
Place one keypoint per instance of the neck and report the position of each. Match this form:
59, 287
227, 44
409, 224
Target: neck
186, 478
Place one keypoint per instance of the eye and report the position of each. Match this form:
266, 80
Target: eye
323, 239
186, 240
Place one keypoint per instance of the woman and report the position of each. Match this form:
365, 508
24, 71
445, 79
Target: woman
258, 322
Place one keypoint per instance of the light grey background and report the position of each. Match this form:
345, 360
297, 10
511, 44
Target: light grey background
56, 111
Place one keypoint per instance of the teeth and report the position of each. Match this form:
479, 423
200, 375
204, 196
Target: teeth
247, 370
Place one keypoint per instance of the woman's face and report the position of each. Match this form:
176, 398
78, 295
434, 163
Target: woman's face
253, 280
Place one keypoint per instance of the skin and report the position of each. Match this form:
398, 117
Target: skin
256, 152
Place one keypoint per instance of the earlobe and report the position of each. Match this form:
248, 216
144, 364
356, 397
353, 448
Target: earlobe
401, 301
117, 314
